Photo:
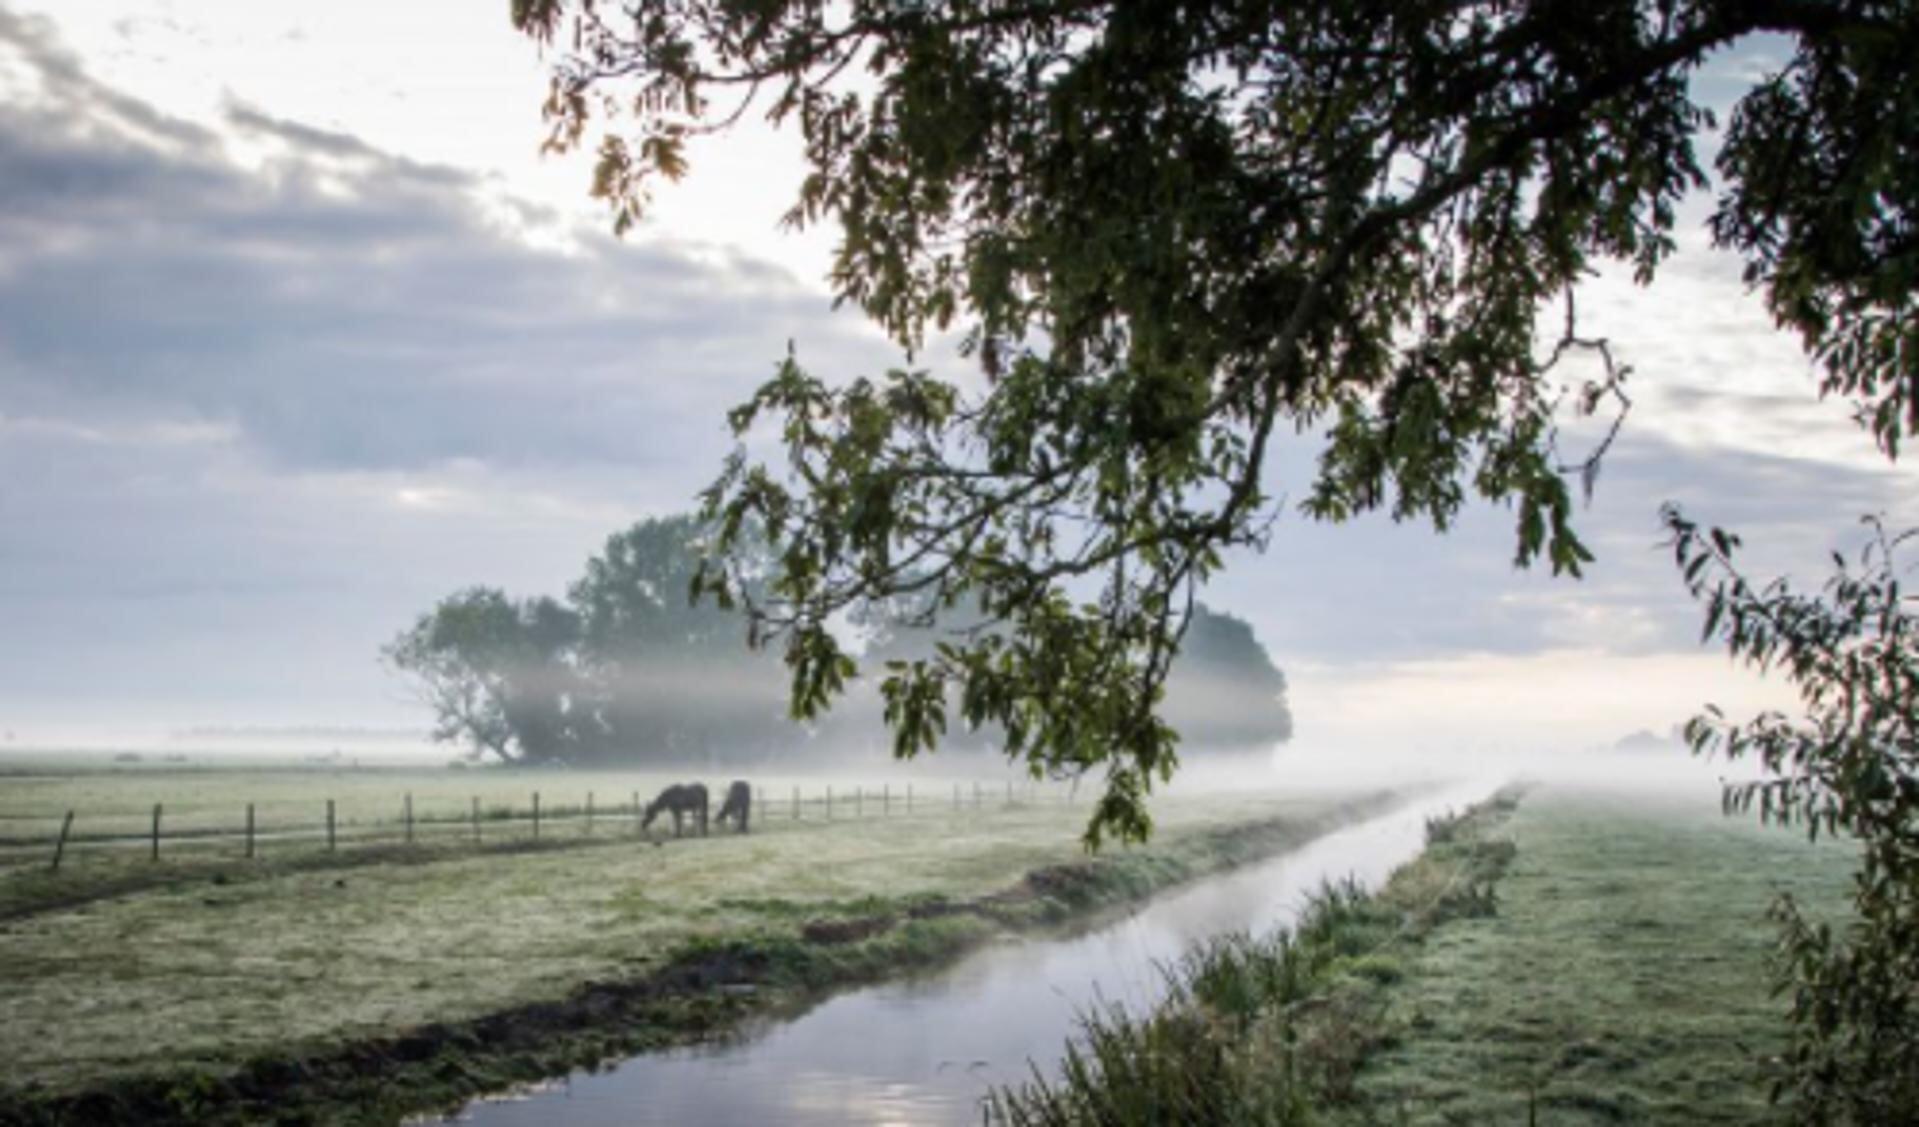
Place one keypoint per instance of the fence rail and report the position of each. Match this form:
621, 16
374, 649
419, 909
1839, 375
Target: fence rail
251, 837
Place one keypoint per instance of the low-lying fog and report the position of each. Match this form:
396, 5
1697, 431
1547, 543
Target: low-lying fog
1642, 762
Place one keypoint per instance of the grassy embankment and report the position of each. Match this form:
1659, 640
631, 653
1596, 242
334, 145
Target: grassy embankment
242, 992
1583, 959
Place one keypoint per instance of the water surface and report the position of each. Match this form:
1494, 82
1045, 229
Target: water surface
925, 1050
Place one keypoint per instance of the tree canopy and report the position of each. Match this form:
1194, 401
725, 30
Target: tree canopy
631, 669
1223, 694
672, 679
1224, 690
498, 673
626, 670
1173, 235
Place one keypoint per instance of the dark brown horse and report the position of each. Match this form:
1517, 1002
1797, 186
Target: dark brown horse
677, 800
738, 804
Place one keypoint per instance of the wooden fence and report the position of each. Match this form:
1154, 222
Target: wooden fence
479, 825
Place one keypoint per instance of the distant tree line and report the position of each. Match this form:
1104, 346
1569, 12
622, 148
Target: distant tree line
627, 669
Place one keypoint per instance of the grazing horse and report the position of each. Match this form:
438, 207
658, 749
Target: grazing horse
678, 799
738, 804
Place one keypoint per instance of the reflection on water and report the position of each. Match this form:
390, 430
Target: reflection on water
925, 1050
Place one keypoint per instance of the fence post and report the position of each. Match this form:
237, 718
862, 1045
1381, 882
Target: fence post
331, 842
476, 819
636, 811
156, 831
409, 818
589, 813
796, 804
249, 831
60, 847
536, 815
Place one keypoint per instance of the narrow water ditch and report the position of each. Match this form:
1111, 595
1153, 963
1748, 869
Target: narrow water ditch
925, 1050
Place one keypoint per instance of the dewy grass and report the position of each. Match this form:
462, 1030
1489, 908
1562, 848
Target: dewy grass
1265, 1030
201, 983
1624, 977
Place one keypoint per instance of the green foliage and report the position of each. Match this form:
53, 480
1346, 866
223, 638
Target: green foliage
1223, 694
496, 672
1224, 690
1224, 1047
1827, 150
631, 669
1169, 234
668, 678
1850, 766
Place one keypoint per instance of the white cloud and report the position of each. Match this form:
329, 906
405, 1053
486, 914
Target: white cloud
449, 81
267, 389
255, 414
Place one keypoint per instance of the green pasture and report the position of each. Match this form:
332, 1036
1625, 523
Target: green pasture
1623, 978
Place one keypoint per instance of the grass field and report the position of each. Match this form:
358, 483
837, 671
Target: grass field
211, 964
1623, 979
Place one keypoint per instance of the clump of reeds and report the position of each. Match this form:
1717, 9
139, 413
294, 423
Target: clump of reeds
1264, 1031
1252, 1031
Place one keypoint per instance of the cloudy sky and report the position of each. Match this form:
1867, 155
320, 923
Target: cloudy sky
298, 333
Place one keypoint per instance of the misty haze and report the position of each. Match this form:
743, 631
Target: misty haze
934, 563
